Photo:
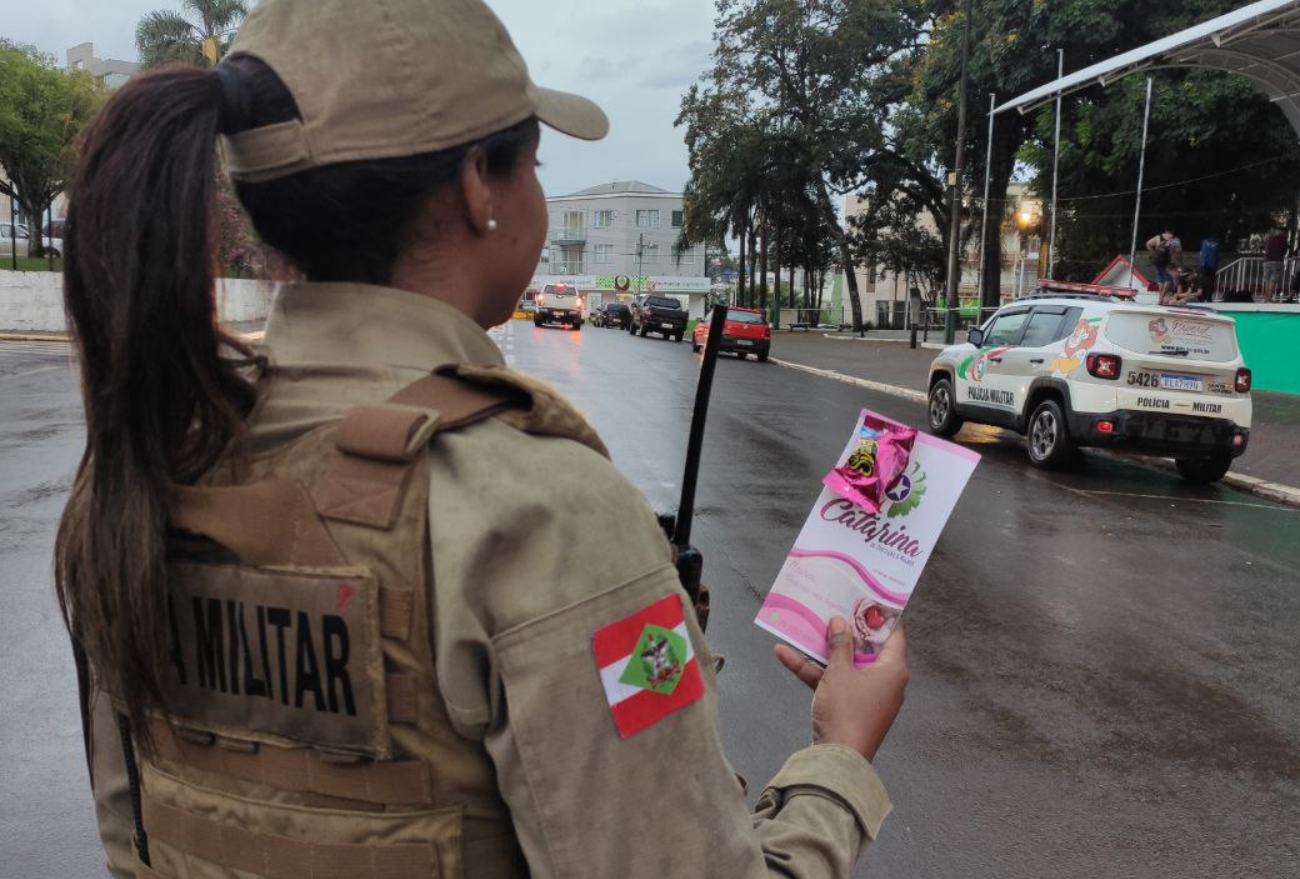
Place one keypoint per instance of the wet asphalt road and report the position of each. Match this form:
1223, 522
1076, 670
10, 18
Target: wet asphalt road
1104, 676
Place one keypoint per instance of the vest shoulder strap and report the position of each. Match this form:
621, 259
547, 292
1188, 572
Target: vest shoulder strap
279, 522
380, 444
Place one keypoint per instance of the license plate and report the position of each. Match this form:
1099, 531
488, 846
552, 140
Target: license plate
743, 342
1169, 382
666, 326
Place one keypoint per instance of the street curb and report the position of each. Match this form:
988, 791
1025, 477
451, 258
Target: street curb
893, 390
840, 337
34, 337
1277, 492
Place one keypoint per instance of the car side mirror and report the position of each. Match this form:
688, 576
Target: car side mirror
976, 337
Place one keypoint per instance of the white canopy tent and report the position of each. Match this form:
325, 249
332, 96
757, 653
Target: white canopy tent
1260, 41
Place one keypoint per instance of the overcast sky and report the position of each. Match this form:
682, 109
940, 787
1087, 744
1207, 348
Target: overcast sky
634, 57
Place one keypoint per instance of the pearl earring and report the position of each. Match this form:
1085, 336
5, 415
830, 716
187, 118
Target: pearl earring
492, 225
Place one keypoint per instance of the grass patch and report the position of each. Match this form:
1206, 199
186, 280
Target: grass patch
26, 264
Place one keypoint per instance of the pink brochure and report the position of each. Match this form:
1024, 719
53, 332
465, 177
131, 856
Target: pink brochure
863, 566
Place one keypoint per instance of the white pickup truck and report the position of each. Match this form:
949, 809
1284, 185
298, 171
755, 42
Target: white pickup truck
559, 303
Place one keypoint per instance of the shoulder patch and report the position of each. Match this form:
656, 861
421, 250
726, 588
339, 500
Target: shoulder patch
647, 665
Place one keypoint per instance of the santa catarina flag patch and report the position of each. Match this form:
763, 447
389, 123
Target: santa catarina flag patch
647, 665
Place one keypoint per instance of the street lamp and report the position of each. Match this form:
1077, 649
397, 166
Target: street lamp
1026, 220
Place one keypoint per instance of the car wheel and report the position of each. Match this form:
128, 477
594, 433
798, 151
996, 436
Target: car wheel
1203, 471
943, 409
537, 321
762, 357
644, 330
677, 337
1050, 444
577, 326
741, 355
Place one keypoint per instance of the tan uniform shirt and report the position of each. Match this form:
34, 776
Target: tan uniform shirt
522, 580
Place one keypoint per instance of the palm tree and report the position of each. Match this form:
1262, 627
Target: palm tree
165, 36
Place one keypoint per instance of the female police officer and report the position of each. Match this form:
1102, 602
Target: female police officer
336, 623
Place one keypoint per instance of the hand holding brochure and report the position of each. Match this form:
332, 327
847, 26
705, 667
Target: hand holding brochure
863, 566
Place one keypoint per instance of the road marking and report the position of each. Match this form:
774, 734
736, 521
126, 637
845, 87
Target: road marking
1178, 500
30, 372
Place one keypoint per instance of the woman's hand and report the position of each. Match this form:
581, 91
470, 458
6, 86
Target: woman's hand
851, 707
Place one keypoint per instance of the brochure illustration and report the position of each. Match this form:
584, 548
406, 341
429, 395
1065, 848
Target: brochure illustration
861, 565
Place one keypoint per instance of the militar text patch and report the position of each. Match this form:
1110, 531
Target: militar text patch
647, 665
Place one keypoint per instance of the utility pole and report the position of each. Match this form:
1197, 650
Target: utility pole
640, 263
954, 236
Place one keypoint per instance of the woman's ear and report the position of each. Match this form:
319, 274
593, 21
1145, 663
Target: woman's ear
477, 191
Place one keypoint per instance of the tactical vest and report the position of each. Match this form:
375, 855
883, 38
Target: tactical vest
304, 736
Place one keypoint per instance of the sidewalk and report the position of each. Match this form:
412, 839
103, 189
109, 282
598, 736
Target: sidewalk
1273, 456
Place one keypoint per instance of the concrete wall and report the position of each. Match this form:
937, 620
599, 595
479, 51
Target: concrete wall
32, 302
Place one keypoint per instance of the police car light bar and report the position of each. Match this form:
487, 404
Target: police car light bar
1047, 286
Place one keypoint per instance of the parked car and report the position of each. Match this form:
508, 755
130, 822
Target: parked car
1096, 370
661, 314
9, 243
612, 314
746, 332
559, 303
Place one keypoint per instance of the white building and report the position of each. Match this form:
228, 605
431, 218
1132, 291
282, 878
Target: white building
615, 240
885, 296
108, 71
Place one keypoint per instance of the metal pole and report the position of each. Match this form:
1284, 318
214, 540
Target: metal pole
13, 232
1142, 164
954, 243
984, 232
640, 264
1056, 165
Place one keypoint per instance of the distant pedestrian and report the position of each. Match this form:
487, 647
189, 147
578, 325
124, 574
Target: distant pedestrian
1166, 255
1274, 254
1209, 265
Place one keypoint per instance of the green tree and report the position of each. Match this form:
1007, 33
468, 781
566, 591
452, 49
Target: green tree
810, 70
166, 36
1197, 120
42, 110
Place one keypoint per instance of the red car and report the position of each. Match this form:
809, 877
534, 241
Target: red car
746, 333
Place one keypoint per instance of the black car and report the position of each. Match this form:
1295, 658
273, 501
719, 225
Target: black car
612, 314
659, 314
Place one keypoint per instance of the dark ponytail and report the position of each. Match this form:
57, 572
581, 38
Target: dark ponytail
163, 396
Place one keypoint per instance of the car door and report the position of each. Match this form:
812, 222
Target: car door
9, 244
1032, 357
983, 381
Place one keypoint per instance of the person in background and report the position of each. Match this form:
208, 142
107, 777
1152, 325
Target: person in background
1274, 254
1209, 265
1166, 253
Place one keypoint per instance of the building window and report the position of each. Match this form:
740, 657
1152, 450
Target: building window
602, 219
647, 219
688, 257
604, 253
678, 219
650, 254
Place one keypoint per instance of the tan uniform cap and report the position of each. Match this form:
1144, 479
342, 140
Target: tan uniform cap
386, 78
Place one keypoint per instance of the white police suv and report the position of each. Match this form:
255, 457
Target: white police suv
1097, 369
